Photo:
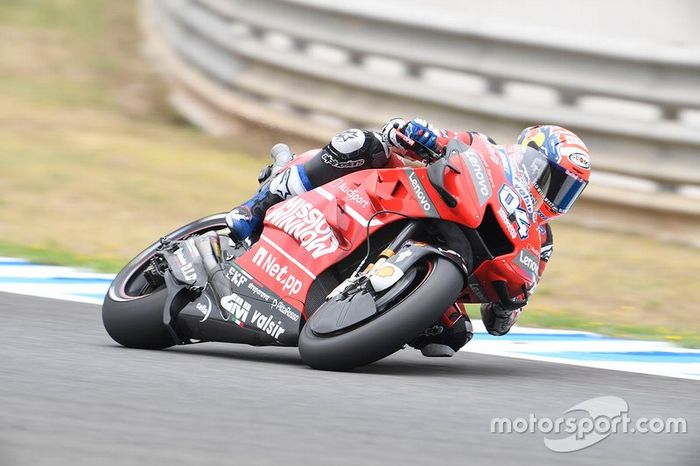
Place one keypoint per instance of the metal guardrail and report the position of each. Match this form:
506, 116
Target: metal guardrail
573, 72
274, 61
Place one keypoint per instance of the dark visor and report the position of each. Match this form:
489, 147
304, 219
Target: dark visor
564, 188
558, 187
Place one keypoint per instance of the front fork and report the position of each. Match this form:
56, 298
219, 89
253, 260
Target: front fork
360, 296
397, 259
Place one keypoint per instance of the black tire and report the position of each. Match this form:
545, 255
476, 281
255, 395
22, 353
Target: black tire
138, 323
386, 334
132, 313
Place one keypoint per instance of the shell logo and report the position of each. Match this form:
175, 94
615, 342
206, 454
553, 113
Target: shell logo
580, 160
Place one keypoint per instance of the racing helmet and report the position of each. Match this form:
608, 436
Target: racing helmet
569, 167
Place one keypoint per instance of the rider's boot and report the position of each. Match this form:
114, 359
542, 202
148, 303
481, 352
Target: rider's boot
447, 336
281, 155
497, 320
245, 220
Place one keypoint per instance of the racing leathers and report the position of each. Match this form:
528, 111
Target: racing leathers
347, 152
353, 150
495, 317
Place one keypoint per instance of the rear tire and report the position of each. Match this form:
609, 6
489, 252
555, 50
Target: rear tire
132, 312
391, 330
138, 323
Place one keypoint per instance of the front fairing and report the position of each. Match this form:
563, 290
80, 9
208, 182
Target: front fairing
494, 199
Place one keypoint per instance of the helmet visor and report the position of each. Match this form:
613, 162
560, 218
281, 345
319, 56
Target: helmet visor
562, 190
558, 187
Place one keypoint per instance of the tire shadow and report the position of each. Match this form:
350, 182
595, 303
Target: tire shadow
458, 366
264, 355
402, 363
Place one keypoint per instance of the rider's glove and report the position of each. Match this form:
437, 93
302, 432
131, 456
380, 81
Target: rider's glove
389, 133
422, 132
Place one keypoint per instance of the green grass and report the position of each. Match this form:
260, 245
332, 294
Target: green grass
52, 255
82, 17
94, 167
568, 320
98, 185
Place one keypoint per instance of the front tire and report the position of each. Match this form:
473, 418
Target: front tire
132, 312
392, 329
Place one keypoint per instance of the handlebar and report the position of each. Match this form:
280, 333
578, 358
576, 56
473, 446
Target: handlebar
420, 149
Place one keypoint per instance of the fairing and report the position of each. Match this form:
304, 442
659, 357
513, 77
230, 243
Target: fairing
305, 235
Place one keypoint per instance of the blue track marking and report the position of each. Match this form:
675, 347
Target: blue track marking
57, 280
516, 336
629, 356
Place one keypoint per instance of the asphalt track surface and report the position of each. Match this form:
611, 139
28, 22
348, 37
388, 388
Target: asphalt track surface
70, 396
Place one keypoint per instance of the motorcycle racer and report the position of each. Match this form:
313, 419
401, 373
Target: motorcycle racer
549, 196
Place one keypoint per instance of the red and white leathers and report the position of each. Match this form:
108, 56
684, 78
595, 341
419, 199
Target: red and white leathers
497, 320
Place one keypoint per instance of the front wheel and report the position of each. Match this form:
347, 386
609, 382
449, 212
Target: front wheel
438, 284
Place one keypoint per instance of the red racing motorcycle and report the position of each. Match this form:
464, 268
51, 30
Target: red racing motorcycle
349, 272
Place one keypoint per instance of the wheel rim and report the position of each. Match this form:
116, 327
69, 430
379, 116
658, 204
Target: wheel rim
417, 282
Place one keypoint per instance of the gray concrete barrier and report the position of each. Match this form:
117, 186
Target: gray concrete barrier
310, 68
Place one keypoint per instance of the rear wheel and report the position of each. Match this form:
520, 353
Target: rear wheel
132, 312
436, 286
